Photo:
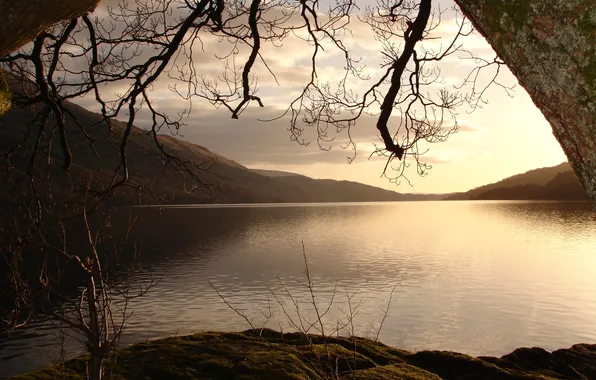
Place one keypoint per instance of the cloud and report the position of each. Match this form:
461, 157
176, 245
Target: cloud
253, 142
250, 141
290, 60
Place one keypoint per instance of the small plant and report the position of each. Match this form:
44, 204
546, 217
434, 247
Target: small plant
325, 351
69, 252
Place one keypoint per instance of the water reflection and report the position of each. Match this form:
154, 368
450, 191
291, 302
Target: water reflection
478, 277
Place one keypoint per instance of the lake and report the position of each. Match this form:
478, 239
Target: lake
481, 278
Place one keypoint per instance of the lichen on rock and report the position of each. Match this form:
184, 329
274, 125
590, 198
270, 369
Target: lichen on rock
22, 20
550, 46
5, 94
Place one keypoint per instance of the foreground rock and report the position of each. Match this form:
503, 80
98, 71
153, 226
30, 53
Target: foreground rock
247, 356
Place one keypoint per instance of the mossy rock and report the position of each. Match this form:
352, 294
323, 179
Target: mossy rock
74, 369
456, 366
396, 372
5, 94
270, 355
213, 356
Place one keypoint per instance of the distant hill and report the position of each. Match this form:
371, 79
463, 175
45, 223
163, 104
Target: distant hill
551, 183
277, 173
232, 182
329, 190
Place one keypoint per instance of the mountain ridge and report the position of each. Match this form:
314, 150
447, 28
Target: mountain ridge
550, 183
230, 182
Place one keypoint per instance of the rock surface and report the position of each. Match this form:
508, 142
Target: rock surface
22, 20
248, 356
550, 46
5, 94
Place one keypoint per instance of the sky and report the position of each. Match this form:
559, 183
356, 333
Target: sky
507, 136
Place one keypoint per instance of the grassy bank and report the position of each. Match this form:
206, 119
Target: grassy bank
247, 355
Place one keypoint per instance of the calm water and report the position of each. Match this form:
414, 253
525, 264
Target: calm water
477, 277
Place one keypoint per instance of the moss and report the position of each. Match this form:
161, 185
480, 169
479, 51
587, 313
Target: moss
213, 356
589, 73
586, 23
248, 356
517, 14
5, 94
452, 365
73, 369
397, 372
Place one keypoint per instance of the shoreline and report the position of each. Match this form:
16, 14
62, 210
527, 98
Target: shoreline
268, 354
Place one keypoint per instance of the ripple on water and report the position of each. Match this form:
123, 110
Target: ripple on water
478, 277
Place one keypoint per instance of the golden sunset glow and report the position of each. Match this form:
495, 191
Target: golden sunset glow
505, 137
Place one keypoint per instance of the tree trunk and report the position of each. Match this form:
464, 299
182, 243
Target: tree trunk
550, 46
93, 339
95, 368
